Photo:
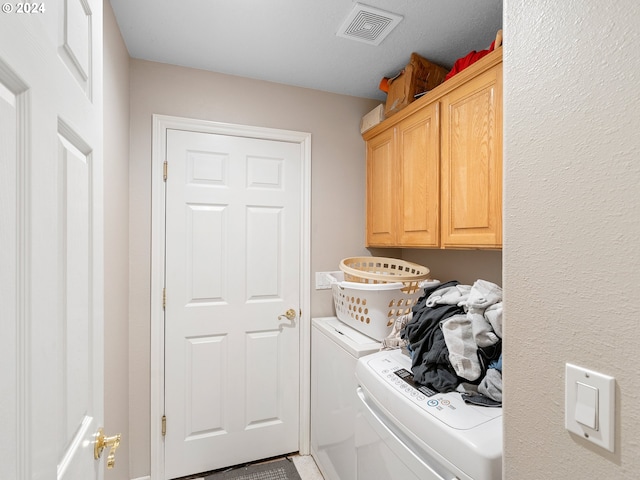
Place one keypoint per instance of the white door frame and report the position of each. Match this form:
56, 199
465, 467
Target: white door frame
162, 123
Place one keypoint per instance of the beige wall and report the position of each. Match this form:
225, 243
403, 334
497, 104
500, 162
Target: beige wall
571, 229
337, 185
116, 240
465, 266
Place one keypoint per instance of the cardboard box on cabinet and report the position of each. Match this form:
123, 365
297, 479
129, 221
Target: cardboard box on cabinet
419, 76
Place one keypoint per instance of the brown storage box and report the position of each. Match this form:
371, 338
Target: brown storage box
419, 76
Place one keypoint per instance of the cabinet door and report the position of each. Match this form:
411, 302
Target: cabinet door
418, 141
472, 163
382, 185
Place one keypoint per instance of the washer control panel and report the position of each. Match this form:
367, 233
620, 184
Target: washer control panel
447, 407
407, 377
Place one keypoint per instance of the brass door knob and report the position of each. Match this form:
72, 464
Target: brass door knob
289, 314
103, 442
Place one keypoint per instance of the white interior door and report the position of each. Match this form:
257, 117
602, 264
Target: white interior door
51, 252
233, 237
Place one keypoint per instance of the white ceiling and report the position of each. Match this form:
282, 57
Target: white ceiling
294, 41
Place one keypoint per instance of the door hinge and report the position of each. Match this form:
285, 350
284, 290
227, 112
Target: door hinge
164, 425
164, 298
165, 167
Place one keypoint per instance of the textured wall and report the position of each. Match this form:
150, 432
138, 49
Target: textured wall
572, 227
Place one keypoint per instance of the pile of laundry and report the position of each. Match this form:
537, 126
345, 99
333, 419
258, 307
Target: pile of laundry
454, 337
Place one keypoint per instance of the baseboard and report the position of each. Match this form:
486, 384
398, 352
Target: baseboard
142, 478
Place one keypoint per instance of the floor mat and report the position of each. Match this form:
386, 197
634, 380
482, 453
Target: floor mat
277, 470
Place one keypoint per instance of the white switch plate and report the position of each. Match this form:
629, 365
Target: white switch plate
603, 433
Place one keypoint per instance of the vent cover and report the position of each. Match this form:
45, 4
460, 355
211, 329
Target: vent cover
369, 25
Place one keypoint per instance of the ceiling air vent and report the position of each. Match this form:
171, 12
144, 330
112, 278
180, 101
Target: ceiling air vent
367, 24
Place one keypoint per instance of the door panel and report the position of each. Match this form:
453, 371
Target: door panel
51, 151
204, 361
74, 284
233, 229
264, 256
205, 260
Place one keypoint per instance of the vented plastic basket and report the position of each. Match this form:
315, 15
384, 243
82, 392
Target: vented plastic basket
374, 291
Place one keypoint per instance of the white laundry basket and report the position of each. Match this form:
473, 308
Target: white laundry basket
371, 292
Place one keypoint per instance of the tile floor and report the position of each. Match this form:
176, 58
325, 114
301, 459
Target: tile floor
306, 467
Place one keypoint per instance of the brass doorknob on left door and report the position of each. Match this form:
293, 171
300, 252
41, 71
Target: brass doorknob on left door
290, 314
103, 442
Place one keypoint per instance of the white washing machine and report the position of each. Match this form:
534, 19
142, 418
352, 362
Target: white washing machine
335, 350
405, 431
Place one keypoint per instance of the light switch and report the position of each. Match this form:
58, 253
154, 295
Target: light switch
586, 405
590, 405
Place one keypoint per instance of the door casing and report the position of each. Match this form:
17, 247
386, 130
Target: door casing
162, 123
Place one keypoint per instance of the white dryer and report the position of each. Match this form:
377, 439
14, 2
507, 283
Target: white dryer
405, 431
335, 349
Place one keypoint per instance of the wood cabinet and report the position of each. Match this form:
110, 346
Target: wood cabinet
403, 182
471, 163
381, 186
434, 170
